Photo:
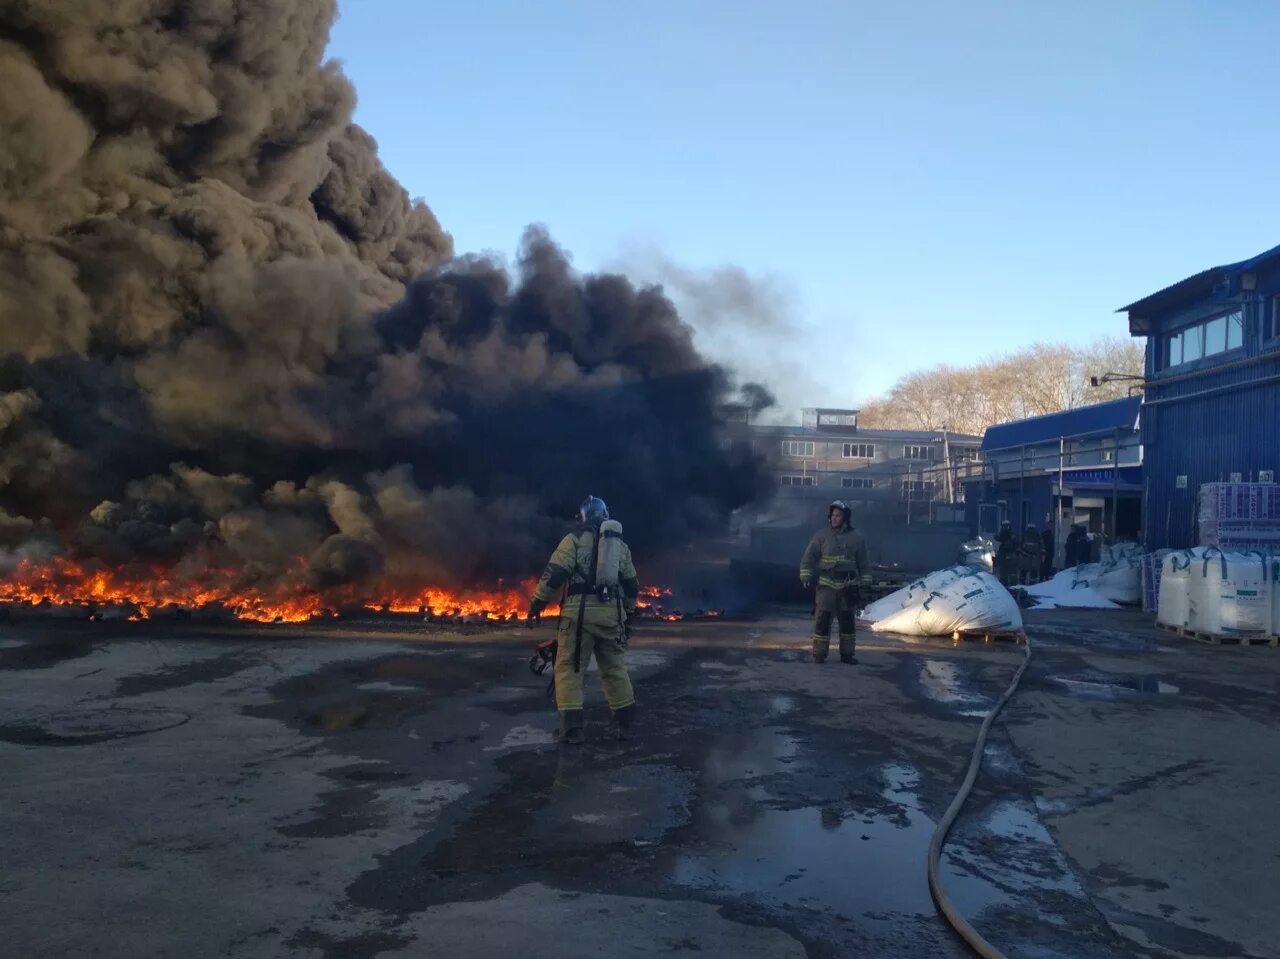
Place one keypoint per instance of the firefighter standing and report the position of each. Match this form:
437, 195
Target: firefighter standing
837, 556
1006, 554
1032, 554
1046, 563
593, 618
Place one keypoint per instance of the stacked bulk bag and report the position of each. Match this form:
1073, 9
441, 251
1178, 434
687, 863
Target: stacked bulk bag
1173, 606
1230, 595
1274, 566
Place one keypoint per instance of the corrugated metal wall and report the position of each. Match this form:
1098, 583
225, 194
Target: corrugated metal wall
1206, 428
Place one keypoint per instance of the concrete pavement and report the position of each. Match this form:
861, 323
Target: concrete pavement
375, 790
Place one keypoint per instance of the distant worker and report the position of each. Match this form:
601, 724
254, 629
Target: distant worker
1032, 554
1076, 548
594, 567
1006, 555
837, 556
1047, 540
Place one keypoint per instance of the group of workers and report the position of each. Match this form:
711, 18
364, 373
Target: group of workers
1021, 562
593, 573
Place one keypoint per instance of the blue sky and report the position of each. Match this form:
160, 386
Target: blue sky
917, 183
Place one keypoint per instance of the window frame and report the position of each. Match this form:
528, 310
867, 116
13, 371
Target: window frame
1178, 339
913, 489
788, 480
869, 447
857, 482
1271, 322
928, 449
800, 444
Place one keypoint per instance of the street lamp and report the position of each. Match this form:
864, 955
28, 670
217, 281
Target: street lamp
1140, 381
1096, 381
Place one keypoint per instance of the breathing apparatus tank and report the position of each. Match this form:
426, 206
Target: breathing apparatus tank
608, 558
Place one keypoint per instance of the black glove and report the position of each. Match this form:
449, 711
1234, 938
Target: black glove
626, 635
536, 607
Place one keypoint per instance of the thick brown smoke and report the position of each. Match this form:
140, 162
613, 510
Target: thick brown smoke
229, 338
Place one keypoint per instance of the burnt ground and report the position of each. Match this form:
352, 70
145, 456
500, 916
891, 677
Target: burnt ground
389, 791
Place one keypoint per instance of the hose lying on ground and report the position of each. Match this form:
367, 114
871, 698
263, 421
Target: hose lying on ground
944, 904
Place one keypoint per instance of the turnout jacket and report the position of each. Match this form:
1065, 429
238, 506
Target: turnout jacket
837, 557
571, 565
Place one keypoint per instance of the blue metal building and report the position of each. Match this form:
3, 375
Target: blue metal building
1081, 466
1211, 410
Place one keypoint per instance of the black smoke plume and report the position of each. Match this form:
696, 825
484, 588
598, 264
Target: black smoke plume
229, 339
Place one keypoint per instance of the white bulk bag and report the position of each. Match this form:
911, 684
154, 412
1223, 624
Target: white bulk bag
976, 601
1173, 608
1273, 565
1231, 594
1119, 581
913, 592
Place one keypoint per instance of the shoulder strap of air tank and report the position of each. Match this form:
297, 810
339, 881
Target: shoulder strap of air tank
582, 604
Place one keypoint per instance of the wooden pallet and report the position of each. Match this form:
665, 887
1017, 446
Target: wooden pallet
989, 635
1215, 640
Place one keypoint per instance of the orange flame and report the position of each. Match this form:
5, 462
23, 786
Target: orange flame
63, 582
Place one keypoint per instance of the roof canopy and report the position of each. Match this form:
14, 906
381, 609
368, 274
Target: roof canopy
1083, 421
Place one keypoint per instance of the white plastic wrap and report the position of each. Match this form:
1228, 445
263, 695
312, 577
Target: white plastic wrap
1119, 581
1070, 589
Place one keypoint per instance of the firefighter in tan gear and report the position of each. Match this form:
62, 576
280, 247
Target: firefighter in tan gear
837, 557
594, 567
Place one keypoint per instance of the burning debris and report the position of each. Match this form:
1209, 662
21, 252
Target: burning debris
241, 369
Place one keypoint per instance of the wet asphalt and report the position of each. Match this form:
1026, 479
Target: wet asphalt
383, 790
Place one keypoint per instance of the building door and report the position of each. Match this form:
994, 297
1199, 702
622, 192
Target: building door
988, 519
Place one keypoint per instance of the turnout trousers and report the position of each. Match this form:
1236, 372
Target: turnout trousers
839, 604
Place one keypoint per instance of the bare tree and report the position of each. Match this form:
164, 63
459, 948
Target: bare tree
1043, 378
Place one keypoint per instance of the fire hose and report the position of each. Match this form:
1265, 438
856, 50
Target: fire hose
948, 909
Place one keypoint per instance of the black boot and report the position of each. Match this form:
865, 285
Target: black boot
570, 732
848, 648
820, 651
622, 720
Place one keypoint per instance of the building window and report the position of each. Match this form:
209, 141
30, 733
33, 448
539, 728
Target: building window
918, 452
964, 454
1108, 456
859, 451
1271, 322
838, 419
856, 482
1218, 335
797, 448
796, 480
917, 489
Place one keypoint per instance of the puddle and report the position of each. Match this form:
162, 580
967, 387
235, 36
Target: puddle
714, 665
817, 858
940, 681
768, 753
1100, 685
781, 705
1010, 845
